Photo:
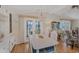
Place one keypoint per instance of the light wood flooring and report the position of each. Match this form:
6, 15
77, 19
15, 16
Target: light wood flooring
60, 48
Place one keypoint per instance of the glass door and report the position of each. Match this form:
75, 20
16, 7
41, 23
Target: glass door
29, 28
33, 27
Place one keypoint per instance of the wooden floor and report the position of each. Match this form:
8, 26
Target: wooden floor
60, 48
21, 48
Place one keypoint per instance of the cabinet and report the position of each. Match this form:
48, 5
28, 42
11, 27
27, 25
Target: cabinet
7, 44
8, 41
4, 22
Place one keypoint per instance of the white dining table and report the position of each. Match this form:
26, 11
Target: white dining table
39, 43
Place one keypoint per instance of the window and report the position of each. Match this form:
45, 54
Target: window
37, 27
29, 28
65, 25
55, 25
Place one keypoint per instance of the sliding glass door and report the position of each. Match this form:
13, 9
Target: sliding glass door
33, 27
29, 27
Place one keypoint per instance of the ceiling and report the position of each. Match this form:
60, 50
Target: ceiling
47, 10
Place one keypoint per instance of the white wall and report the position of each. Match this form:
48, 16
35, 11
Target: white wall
21, 40
16, 27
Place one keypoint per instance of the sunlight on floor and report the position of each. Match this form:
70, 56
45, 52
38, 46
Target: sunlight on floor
60, 48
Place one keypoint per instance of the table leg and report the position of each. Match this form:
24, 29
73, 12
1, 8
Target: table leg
72, 46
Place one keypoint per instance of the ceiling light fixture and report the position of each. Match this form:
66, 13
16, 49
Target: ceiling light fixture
75, 6
0, 6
